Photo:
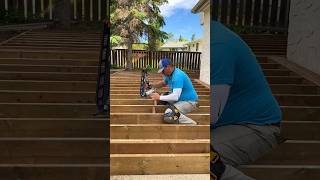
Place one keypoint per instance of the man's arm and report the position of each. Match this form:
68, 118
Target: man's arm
158, 84
174, 96
219, 97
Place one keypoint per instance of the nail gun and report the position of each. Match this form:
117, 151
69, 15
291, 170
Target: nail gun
145, 88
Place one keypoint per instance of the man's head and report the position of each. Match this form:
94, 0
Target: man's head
165, 67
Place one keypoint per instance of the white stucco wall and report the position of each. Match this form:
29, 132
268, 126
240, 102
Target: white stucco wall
304, 34
205, 56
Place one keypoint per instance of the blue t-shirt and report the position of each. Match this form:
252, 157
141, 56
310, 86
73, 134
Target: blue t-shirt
250, 99
179, 79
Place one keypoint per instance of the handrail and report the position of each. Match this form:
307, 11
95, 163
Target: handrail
103, 78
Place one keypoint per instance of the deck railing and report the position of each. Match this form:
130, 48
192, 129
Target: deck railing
88, 10
189, 61
270, 15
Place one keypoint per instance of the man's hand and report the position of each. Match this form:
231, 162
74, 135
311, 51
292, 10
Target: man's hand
155, 96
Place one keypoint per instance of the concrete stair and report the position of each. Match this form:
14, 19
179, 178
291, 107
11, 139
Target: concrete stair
47, 92
297, 158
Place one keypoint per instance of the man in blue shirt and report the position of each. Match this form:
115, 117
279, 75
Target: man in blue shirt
182, 94
245, 117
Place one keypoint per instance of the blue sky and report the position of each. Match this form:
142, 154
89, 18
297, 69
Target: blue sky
180, 20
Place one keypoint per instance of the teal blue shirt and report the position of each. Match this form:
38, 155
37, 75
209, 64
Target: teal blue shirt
233, 63
180, 79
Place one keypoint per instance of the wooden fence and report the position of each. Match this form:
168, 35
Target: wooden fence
272, 15
189, 61
89, 10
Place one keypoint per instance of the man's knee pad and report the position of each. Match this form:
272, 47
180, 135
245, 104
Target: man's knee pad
171, 115
216, 165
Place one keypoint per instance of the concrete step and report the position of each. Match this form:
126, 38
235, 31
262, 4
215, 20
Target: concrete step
54, 127
301, 130
159, 131
45, 110
282, 172
48, 54
129, 164
159, 146
54, 150
154, 119
54, 171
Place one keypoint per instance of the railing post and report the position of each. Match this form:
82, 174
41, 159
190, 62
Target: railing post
75, 9
91, 10
99, 10
42, 9
82, 9
50, 9
6, 5
25, 7
34, 7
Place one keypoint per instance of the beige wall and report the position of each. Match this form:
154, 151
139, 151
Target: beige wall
304, 34
205, 56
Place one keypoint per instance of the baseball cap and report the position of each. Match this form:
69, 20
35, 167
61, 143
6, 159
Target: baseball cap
163, 63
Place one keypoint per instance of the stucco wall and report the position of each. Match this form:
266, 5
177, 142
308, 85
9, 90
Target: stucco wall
205, 56
304, 34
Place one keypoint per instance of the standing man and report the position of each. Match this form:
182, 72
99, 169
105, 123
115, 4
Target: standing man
245, 117
182, 98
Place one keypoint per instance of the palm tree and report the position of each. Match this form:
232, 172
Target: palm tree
134, 19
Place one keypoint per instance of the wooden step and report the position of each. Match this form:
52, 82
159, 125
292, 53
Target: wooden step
293, 152
298, 100
38, 85
150, 109
130, 164
48, 68
48, 62
282, 172
295, 89
54, 127
45, 110
26, 48
156, 118
161, 131
54, 150
47, 97
301, 130
48, 54
300, 113
54, 171
159, 146
48, 76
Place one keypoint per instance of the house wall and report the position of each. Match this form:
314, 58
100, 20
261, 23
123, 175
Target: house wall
304, 34
205, 55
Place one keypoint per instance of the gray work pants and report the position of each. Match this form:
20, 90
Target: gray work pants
184, 107
242, 145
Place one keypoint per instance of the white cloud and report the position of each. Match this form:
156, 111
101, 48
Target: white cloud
172, 5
